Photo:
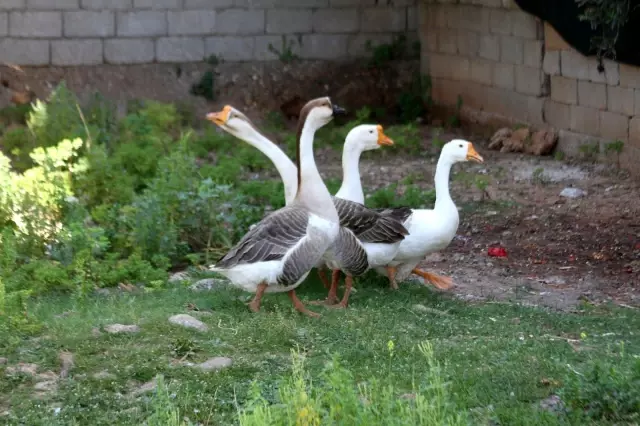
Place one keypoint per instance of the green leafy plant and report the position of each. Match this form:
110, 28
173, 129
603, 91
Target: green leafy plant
590, 151
615, 147
206, 86
414, 102
454, 119
383, 54
285, 54
607, 17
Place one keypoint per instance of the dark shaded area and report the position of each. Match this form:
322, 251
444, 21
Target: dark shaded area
563, 16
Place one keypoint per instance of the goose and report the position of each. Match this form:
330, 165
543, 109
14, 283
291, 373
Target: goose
431, 230
278, 253
367, 238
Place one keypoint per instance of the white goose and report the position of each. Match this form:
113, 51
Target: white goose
278, 253
432, 230
367, 238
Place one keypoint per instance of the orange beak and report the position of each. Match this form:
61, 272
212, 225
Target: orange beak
382, 138
473, 155
220, 118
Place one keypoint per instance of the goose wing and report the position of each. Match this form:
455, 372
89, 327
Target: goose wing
369, 225
270, 239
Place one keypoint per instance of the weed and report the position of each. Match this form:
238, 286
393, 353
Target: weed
435, 138
615, 147
558, 155
206, 87
454, 119
384, 53
538, 177
590, 151
414, 102
285, 54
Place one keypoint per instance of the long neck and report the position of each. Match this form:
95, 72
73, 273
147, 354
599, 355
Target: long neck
286, 168
312, 192
351, 188
443, 198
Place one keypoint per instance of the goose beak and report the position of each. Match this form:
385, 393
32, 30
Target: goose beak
473, 155
220, 118
382, 138
337, 110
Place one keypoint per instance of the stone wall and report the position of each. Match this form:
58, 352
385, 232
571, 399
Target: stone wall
506, 64
91, 32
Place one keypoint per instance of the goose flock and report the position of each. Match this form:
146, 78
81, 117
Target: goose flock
337, 233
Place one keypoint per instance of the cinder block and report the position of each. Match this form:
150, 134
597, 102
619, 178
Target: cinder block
526, 26
629, 76
621, 99
468, 43
592, 95
89, 23
230, 48
574, 65
610, 75
448, 41
358, 43
481, 71
180, 49
76, 52
556, 114
511, 50
335, 21
324, 46
585, 120
53, 4
263, 53
12, 4
564, 90
489, 47
614, 126
208, 4
529, 81
240, 22
342, 3
551, 62
288, 21
500, 21
637, 102
570, 142
106, 4
412, 18
504, 76
533, 53
383, 19
142, 23
631, 158
129, 51
24, 52
35, 24
156, 4
634, 134
280, 3
191, 22
429, 41
473, 18
553, 40
4, 24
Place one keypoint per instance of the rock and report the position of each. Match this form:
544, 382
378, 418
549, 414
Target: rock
215, 364
48, 386
188, 321
178, 277
66, 361
419, 308
102, 292
572, 193
22, 368
552, 403
145, 388
47, 376
208, 284
3, 361
542, 142
497, 140
120, 328
516, 143
95, 332
103, 375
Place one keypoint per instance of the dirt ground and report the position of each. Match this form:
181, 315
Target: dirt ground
560, 251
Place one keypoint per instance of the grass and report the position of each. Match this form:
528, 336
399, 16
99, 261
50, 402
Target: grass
499, 360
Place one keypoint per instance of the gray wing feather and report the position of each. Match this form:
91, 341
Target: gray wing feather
272, 237
368, 225
353, 257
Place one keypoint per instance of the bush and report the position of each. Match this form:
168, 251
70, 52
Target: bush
337, 398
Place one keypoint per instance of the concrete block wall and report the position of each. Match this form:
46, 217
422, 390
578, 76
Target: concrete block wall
90, 32
506, 63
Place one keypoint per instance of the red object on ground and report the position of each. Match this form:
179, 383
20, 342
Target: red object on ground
637, 246
497, 252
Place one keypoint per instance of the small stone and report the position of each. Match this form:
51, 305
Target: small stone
215, 364
208, 284
66, 363
419, 308
47, 386
22, 368
552, 403
120, 328
47, 376
179, 277
188, 321
95, 332
542, 142
3, 361
145, 388
103, 375
573, 193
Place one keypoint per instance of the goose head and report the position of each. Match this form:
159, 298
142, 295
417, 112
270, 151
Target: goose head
459, 150
367, 137
233, 121
320, 111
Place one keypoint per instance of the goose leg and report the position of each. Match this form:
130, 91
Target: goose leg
391, 274
332, 297
347, 291
254, 305
322, 272
297, 303
439, 281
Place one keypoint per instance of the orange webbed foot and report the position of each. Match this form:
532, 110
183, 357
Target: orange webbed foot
441, 282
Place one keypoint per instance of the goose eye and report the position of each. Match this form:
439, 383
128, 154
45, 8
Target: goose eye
460, 145
371, 131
